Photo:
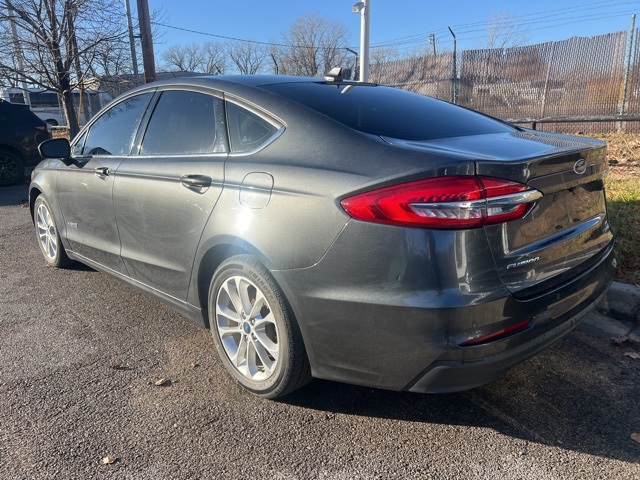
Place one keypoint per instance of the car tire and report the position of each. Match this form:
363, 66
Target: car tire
48, 235
255, 331
11, 168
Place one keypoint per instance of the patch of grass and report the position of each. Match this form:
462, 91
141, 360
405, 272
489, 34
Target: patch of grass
623, 196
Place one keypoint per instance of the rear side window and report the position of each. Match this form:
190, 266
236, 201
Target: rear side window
184, 123
114, 131
247, 131
389, 112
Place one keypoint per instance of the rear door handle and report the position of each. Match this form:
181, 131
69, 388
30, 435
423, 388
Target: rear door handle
195, 181
102, 171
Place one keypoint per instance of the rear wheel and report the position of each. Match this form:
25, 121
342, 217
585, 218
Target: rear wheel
48, 236
11, 168
255, 332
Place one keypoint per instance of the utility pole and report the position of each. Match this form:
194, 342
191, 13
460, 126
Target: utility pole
432, 41
132, 42
146, 40
364, 8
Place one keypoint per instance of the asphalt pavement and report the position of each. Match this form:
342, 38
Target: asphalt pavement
81, 355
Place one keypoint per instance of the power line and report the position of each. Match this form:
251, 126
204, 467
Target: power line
224, 37
553, 24
519, 20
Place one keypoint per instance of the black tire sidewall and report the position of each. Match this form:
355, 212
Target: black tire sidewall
19, 170
238, 266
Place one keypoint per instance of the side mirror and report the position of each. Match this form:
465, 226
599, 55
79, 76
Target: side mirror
55, 148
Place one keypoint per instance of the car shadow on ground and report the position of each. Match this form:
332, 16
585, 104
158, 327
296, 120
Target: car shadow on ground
15, 194
562, 398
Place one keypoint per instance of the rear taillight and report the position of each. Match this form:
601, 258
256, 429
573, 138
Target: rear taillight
444, 202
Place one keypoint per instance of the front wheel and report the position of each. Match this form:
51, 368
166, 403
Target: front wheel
256, 334
11, 168
48, 236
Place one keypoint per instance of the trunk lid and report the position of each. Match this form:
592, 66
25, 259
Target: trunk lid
567, 230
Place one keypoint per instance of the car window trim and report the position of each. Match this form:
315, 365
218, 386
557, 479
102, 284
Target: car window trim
150, 109
109, 106
276, 122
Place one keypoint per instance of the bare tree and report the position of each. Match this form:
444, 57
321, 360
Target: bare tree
215, 58
203, 58
59, 40
247, 56
314, 45
185, 58
504, 31
381, 55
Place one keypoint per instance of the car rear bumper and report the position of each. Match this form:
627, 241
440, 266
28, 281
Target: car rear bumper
397, 320
444, 376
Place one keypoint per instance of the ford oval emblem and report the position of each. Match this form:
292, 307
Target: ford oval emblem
580, 166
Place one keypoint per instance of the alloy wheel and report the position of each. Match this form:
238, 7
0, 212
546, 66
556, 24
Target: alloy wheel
247, 328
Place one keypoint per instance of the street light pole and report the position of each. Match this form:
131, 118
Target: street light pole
364, 8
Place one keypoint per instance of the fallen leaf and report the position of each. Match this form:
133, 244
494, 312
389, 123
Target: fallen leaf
635, 437
634, 355
161, 382
620, 340
108, 460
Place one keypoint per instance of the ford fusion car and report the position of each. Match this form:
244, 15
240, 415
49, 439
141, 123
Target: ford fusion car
344, 231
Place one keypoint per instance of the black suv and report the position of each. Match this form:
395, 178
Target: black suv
21, 131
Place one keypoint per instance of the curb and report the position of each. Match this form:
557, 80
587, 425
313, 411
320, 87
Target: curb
622, 302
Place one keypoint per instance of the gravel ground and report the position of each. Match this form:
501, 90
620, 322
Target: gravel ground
80, 354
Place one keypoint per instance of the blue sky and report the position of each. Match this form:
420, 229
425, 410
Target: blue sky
404, 23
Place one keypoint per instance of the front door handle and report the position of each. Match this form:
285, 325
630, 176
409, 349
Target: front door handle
195, 181
102, 171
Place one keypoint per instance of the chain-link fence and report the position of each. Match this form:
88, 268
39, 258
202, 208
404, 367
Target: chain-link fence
578, 77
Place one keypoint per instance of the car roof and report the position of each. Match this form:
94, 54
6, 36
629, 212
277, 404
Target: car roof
231, 83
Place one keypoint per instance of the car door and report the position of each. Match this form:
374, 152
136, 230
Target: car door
85, 187
164, 195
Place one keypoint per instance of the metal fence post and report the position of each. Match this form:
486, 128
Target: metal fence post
454, 76
627, 69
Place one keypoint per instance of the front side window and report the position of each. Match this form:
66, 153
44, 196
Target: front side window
184, 123
113, 133
247, 130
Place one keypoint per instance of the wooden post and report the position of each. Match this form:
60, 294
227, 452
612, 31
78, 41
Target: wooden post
146, 41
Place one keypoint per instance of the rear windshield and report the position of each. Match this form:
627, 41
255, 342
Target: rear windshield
17, 115
389, 112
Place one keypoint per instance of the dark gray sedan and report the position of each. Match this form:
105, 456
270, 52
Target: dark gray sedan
328, 229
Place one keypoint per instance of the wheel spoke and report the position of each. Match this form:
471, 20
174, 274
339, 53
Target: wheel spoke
240, 360
228, 330
261, 328
245, 297
229, 314
48, 247
231, 290
259, 302
263, 355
